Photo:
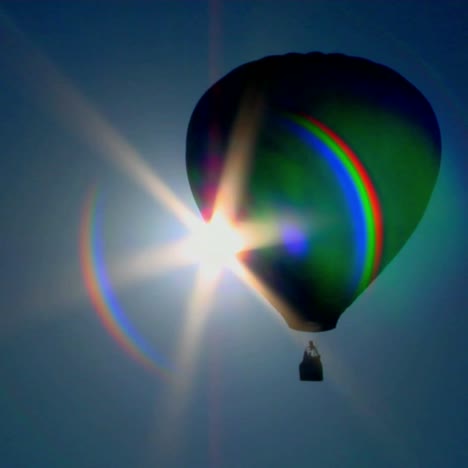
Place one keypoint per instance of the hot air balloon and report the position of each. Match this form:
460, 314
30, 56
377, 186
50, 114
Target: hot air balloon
340, 154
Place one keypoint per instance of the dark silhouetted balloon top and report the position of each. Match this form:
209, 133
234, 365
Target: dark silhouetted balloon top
340, 157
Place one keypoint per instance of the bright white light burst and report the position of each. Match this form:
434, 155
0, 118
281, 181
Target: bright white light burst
214, 245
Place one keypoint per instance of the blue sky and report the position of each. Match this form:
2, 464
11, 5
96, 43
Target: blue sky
395, 389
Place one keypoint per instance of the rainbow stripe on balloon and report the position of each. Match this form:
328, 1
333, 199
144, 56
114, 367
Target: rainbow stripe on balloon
361, 194
99, 289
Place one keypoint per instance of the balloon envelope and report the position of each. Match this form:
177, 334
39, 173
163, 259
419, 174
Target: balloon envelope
339, 154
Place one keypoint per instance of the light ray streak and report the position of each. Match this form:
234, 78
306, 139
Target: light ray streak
197, 312
148, 262
377, 415
265, 294
74, 111
259, 234
177, 397
215, 47
64, 288
215, 44
238, 156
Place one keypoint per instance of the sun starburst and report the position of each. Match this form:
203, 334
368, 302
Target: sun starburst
214, 245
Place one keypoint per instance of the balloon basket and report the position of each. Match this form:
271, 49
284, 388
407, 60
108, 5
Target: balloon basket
311, 370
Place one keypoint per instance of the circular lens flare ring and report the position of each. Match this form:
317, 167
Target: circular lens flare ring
101, 293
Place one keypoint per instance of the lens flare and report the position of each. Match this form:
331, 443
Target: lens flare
214, 245
105, 303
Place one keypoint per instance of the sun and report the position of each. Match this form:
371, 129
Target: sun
215, 245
